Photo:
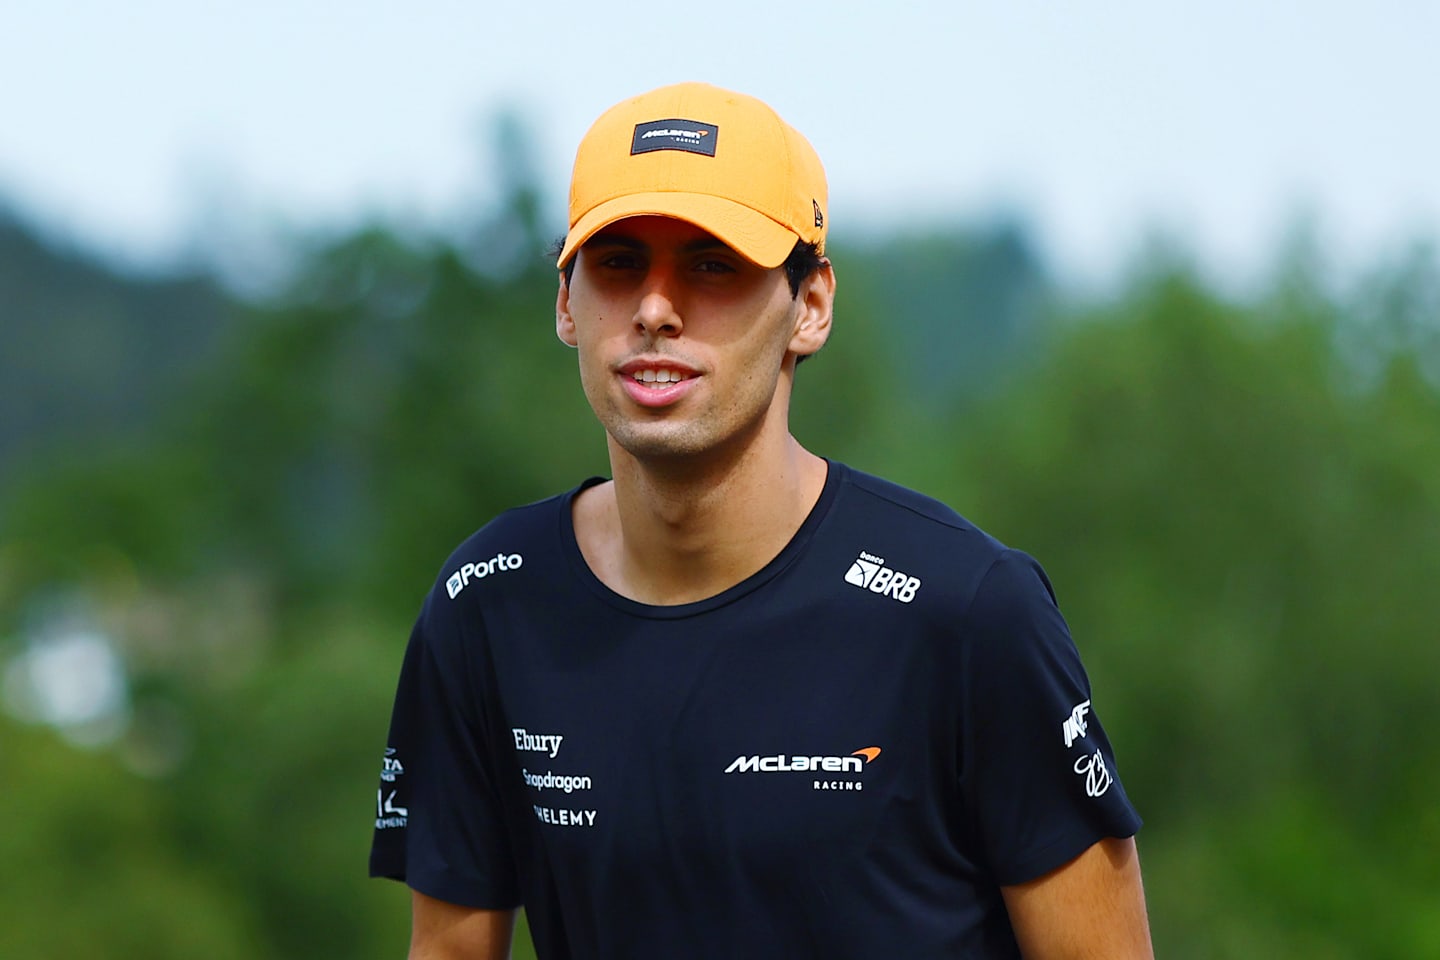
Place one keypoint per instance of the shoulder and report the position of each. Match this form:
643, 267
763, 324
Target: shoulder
876, 493
971, 571
510, 546
930, 534
509, 560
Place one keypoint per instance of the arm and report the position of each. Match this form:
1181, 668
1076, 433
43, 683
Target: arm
445, 931
1092, 908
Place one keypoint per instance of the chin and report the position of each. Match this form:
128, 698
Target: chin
660, 444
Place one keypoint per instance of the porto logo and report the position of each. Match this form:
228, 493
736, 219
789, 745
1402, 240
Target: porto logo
461, 578
870, 573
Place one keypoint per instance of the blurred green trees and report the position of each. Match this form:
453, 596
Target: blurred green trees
1237, 499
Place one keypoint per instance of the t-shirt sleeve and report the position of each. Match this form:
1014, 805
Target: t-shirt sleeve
439, 817
1038, 772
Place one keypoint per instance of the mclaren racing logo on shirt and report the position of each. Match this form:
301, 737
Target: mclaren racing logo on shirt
855, 763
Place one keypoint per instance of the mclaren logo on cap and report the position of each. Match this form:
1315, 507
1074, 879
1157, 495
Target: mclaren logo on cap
688, 135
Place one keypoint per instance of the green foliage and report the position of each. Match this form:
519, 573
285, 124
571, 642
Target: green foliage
962, 309
87, 354
1236, 501
94, 869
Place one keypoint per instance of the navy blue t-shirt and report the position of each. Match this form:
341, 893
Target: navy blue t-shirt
845, 755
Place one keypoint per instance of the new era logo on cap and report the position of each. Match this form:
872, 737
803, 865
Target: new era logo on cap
688, 135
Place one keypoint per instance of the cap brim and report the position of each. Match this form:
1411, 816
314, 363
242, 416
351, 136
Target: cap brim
753, 235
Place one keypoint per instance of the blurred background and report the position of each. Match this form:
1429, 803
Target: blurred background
1148, 291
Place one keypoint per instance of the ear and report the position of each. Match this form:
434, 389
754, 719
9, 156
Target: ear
564, 322
816, 308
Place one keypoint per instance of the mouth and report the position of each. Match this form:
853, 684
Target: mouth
657, 383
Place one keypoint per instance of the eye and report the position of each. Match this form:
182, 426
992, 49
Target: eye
620, 260
714, 265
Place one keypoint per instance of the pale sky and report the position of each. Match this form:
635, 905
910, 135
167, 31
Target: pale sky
137, 126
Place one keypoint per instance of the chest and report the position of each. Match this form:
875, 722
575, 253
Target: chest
751, 738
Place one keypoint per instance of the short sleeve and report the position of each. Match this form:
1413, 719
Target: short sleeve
1038, 772
439, 817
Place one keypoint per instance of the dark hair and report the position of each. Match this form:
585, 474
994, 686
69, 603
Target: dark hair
804, 260
553, 252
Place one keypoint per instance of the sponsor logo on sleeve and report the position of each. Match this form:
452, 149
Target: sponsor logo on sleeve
388, 815
1097, 775
1075, 728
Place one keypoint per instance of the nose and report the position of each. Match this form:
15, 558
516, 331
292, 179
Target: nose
657, 315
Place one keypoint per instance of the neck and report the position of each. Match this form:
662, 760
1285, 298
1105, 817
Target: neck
675, 532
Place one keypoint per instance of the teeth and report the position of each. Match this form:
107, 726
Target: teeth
658, 376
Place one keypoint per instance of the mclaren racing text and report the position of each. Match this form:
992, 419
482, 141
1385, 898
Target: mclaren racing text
783, 764
780, 763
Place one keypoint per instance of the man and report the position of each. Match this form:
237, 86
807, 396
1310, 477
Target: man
740, 700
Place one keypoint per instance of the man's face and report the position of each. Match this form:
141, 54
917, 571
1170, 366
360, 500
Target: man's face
686, 347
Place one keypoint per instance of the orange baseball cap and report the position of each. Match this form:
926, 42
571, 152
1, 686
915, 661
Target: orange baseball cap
723, 161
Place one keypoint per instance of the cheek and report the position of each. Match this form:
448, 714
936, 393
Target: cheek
779, 335
587, 336
587, 352
591, 356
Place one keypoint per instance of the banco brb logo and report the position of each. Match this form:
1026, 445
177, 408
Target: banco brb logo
870, 573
